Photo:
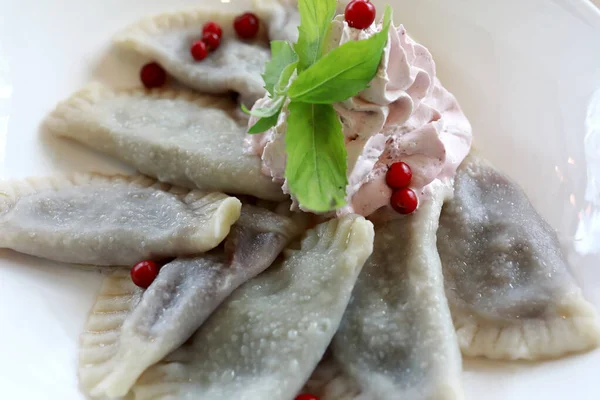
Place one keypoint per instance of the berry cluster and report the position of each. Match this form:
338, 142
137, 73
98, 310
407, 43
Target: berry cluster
211, 39
404, 200
246, 26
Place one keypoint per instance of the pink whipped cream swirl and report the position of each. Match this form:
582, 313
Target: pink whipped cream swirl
405, 115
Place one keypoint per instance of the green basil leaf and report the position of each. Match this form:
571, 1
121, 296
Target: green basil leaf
266, 112
284, 80
264, 124
282, 55
315, 21
316, 156
344, 71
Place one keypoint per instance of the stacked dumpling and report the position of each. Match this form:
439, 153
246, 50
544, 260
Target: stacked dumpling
254, 301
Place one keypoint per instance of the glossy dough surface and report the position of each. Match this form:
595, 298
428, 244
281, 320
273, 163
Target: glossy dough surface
396, 338
265, 340
507, 282
100, 220
236, 66
184, 294
176, 136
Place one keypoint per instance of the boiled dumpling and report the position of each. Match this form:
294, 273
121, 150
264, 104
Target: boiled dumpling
118, 296
176, 136
100, 220
396, 338
264, 340
183, 295
507, 282
236, 66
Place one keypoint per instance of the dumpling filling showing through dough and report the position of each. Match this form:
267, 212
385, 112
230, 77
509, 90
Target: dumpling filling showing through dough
235, 66
396, 338
264, 340
507, 281
111, 220
178, 137
180, 299
227, 318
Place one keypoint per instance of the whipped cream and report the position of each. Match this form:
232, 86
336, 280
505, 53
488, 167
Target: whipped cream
405, 115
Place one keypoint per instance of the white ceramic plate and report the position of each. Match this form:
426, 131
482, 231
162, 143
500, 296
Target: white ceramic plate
527, 74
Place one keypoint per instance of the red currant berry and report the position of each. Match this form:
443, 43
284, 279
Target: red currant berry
199, 50
360, 14
398, 175
153, 75
144, 273
306, 397
212, 27
246, 25
404, 201
212, 40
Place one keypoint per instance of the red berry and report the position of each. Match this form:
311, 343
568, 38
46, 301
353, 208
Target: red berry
360, 14
199, 50
212, 40
153, 75
398, 175
246, 25
404, 201
144, 273
306, 397
212, 27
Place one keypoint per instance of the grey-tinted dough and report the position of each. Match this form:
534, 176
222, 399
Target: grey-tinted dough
396, 338
507, 282
264, 340
119, 220
176, 136
236, 66
183, 295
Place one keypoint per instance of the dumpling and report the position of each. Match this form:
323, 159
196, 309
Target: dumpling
119, 220
176, 136
183, 295
118, 296
396, 338
236, 66
507, 282
264, 340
